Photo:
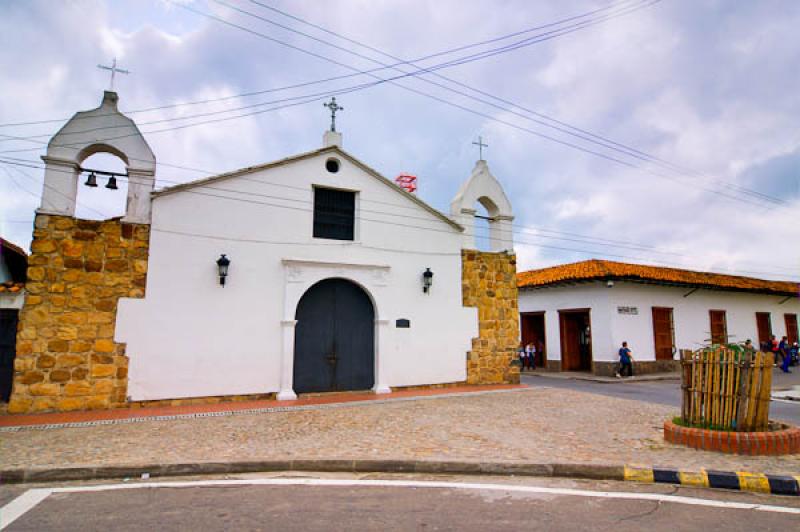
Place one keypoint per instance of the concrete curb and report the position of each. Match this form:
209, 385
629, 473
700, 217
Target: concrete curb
756, 482
739, 480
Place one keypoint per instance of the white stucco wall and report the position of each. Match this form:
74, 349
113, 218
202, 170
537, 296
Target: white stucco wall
690, 315
191, 337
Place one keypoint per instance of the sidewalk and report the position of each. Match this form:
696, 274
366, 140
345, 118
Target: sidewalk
584, 376
260, 406
505, 426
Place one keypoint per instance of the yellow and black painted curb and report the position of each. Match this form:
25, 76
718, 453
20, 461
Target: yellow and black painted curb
739, 480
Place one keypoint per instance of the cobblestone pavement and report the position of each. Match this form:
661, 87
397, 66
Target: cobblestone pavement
536, 425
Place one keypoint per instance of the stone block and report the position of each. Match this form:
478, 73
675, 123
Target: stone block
79, 346
67, 332
98, 358
103, 370
76, 389
59, 375
104, 346
44, 389
103, 387
45, 361
67, 404
70, 360
117, 265
30, 377
106, 305
43, 404
23, 363
98, 402
43, 246
19, 405
36, 273
63, 223
78, 374
70, 248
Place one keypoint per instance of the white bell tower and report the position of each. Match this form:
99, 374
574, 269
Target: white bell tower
482, 187
105, 130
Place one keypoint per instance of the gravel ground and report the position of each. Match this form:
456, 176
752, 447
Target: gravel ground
537, 425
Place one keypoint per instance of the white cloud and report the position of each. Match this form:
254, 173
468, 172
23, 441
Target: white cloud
704, 85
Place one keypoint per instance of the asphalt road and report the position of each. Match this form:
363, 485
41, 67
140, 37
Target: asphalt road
660, 392
532, 504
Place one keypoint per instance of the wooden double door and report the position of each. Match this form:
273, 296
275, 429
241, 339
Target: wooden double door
334, 345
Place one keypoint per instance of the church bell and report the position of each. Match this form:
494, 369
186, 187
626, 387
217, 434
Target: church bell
91, 181
112, 183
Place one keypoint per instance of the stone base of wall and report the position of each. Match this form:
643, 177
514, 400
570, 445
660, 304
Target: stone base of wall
786, 440
209, 400
643, 367
489, 282
66, 355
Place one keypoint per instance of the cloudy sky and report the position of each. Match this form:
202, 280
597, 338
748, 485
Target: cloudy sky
660, 132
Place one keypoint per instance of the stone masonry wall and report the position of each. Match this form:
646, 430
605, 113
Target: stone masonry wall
66, 355
489, 282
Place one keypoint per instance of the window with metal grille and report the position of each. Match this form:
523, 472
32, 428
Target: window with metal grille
334, 214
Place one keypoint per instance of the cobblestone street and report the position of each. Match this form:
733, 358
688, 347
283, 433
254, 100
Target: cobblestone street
533, 425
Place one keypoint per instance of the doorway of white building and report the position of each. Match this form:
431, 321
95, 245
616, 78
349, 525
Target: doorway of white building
576, 339
532, 328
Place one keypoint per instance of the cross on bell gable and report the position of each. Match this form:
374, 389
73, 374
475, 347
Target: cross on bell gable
113, 68
481, 145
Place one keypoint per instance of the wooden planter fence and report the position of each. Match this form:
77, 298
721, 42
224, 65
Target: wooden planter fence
726, 389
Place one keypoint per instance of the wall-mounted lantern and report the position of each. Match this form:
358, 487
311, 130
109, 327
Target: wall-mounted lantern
222, 264
427, 280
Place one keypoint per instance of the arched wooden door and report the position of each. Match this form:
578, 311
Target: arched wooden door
334, 342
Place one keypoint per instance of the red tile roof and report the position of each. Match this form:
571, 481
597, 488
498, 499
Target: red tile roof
11, 287
596, 270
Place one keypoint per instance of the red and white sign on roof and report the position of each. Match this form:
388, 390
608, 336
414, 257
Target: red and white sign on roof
407, 182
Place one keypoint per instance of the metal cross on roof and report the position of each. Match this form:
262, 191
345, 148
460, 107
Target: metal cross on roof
480, 144
333, 106
113, 68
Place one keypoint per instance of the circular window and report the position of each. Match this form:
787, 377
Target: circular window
332, 165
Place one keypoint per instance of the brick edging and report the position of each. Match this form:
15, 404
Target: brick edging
744, 481
779, 442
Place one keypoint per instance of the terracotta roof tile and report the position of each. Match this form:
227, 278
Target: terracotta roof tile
12, 287
593, 270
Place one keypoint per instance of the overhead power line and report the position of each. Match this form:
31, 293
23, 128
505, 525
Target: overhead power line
250, 200
340, 77
581, 133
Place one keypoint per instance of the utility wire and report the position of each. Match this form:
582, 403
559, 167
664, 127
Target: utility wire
335, 78
435, 229
581, 133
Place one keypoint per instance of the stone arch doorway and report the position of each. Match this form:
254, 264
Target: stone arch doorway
334, 344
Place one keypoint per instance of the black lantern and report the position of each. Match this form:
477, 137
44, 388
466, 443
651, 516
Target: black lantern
112, 183
427, 280
91, 180
222, 263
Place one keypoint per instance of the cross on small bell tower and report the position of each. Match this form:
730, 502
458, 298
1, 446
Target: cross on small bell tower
481, 145
113, 68
333, 106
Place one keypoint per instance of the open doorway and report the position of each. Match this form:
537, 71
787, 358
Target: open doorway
576, 339
532, 328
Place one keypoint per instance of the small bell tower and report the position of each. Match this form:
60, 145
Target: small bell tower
101, 130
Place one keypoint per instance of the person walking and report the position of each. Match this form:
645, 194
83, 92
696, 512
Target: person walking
530, 353
625, 361
783, 349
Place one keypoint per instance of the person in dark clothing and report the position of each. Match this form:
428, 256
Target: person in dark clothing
783, 350
625, 361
